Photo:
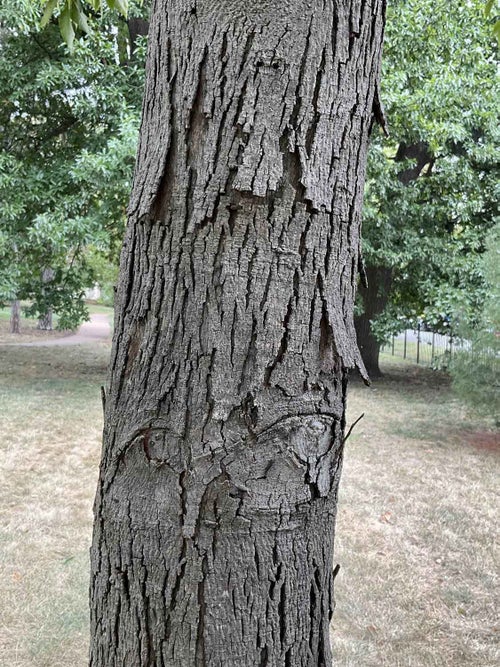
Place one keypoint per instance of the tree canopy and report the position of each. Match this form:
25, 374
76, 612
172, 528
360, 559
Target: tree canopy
432, 185
69, 127
75, 16
430, 194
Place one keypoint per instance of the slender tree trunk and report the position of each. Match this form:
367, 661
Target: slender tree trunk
224, 418
45, 321
15, 316
374, 297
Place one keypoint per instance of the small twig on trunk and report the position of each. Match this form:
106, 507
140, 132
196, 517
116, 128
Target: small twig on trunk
353, 425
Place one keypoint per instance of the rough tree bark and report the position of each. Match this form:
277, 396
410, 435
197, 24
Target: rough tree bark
224, 416
45, 321
15, 316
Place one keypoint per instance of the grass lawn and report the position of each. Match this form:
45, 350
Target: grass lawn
98, 308
51, 422
417, 526
417, 532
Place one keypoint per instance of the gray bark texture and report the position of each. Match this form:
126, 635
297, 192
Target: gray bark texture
15, 316
45, 321
224, 415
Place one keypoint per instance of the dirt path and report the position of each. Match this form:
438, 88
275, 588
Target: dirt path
97, 329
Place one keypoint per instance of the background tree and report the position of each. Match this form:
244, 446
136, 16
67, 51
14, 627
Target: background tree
69, 127
431, 186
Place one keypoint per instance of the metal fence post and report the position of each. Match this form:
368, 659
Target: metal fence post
404, 346
418, 343
432, 352
392, 344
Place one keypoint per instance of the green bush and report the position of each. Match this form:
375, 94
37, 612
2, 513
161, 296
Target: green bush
476, 372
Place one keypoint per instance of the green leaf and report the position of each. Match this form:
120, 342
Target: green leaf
120, 5
79, 18
496, 31
47, 14
488, 7
66, 27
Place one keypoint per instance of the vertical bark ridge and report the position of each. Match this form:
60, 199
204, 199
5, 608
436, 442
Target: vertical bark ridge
224, 422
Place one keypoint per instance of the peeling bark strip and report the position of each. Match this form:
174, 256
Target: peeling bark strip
224, 427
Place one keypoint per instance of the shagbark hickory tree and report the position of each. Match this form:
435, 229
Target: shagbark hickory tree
224, 418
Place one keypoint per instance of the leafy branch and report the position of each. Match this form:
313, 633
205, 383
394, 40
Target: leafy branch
73, 17
491, 10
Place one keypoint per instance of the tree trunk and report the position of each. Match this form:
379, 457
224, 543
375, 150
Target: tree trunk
374, 297
137, 27
224, 417
15, 316
45, 321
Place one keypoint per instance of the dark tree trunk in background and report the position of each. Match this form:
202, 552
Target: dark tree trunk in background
374, 298
136, 28
15, 316
375, 295
224, 419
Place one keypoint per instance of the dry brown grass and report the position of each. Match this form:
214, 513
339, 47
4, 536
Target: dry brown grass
417, 533
51, 422
417, 530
